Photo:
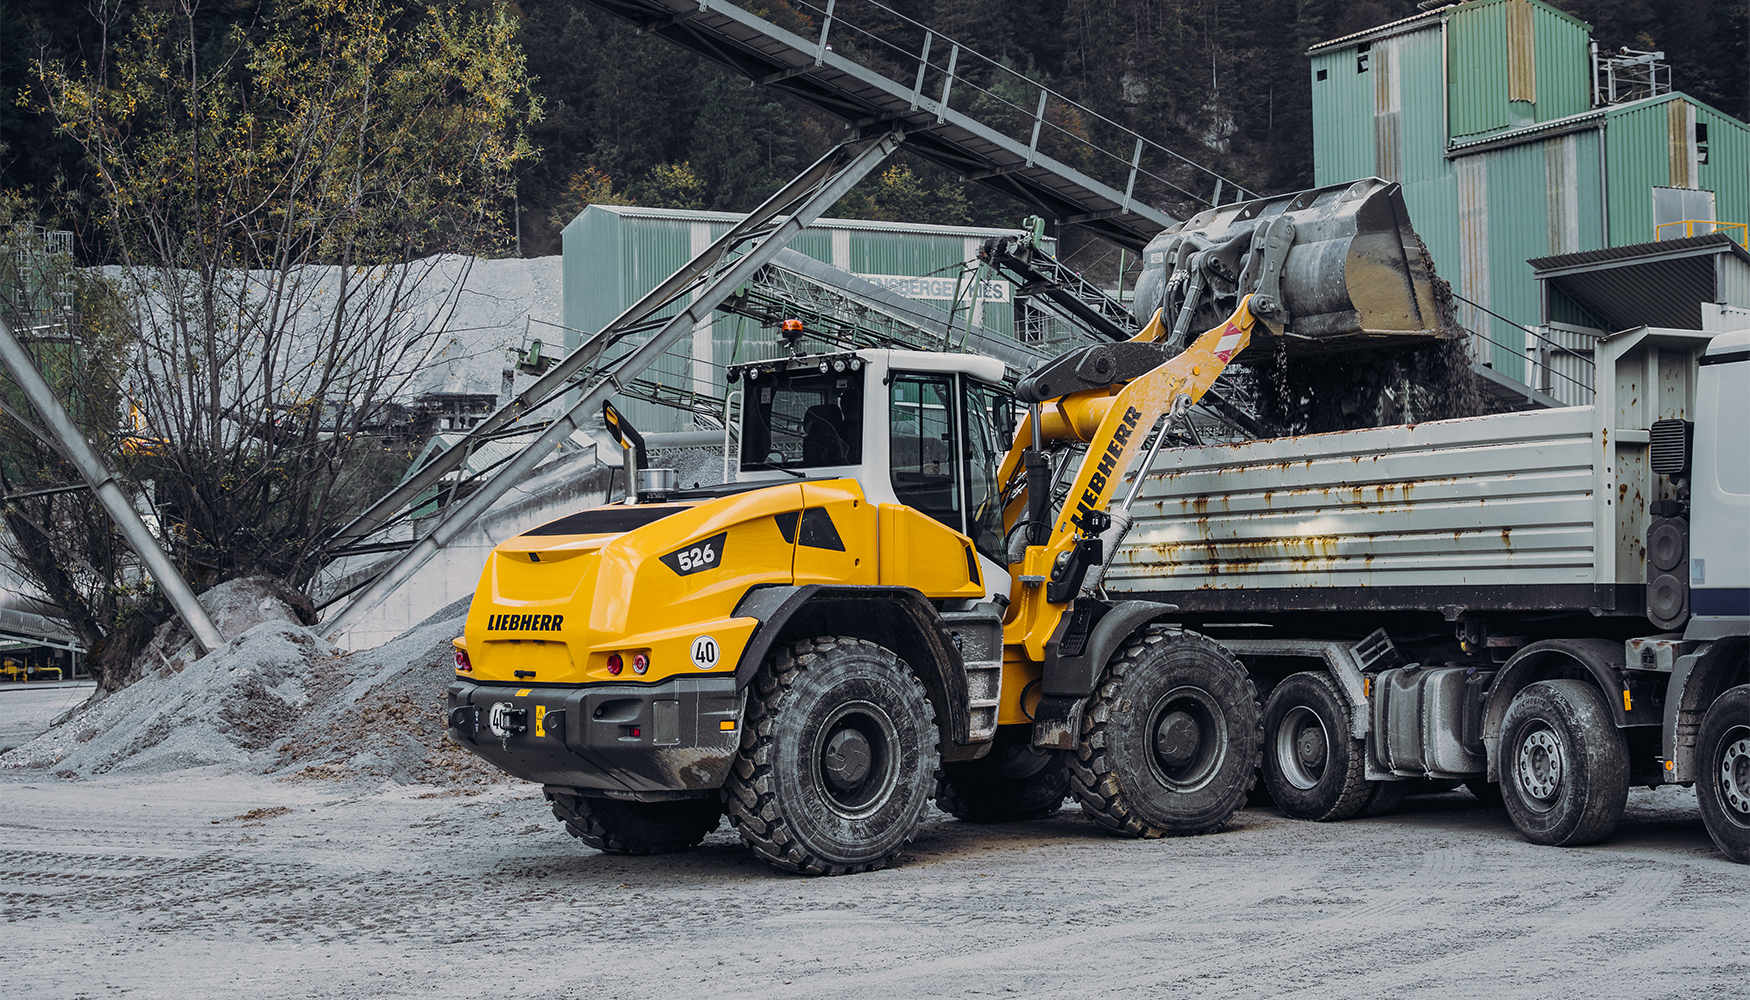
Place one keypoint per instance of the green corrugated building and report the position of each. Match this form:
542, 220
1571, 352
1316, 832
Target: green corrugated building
614, 254
1486, 112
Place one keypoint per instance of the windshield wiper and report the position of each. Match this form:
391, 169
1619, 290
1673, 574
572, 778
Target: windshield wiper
780, 468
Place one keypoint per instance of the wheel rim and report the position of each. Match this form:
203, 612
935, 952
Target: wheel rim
857, 764
1540, 768
1186, 739
1734, 775
1303, 747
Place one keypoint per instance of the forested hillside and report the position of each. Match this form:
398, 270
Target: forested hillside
635, 119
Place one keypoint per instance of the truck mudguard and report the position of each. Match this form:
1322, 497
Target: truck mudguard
1696, 680
898, 618
1603, 660
1087, 636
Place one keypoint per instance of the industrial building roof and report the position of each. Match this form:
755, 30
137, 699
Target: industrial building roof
1416, 22
1645, 284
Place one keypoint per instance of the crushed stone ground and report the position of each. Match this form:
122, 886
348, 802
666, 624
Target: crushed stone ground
206, 884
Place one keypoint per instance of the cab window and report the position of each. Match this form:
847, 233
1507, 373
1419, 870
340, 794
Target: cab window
990, 430
924, 447
803, 420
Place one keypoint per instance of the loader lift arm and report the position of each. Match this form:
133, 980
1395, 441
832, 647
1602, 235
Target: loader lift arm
1112, 397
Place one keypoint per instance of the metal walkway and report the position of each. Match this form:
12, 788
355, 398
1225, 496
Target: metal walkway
959, 109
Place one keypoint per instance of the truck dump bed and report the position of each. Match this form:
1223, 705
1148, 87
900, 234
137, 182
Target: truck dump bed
1543, 510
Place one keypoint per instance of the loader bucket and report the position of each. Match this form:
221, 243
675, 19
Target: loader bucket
1348, 270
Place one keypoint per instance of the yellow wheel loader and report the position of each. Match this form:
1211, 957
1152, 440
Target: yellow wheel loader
897, 599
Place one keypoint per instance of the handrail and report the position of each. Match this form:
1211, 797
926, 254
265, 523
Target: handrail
954, 80
1690, 224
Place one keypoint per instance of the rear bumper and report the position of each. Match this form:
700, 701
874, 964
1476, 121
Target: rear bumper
626, 740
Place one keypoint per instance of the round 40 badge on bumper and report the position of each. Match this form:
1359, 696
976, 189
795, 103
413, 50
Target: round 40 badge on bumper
623, 739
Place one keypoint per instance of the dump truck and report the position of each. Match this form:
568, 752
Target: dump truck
897, 600
1549, 606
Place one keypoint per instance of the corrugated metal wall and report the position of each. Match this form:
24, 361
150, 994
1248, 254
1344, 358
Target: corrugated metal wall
1483, 214
1727, 170
1444, 503
1477, 68
1343, 107
1564, 63
614, 255
1638, 158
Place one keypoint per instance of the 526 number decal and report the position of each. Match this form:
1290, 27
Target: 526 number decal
697, 557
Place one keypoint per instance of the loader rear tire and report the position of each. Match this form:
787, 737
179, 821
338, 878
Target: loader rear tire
1012, 783
616, 827
1312, 766
838, 761
1564, 764
1171, 740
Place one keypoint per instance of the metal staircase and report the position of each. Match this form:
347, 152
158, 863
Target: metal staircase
957, 108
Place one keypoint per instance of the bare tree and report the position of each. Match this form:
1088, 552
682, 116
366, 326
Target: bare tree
275, 200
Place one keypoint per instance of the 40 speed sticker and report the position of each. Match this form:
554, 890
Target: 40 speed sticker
705, 652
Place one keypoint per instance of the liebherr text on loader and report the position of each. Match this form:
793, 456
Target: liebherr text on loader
897, 599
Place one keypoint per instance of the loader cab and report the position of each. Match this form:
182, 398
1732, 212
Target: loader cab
923, 429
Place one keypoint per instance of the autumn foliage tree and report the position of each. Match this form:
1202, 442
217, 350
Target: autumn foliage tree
287, 207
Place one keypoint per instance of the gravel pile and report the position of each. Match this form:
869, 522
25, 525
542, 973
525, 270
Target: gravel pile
277, 699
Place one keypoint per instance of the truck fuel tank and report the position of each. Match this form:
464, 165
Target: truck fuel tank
1427, 720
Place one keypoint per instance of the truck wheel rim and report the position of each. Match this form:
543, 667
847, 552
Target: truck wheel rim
1187, 739
858, 765
1735, 775
1541, 767
1303, 748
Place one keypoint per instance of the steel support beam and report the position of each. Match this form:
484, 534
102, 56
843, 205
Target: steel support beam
806, 199
560, 377
96, 472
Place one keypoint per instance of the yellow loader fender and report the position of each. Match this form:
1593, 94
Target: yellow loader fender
898, 618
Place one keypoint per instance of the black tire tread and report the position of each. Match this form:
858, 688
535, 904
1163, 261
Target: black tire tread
1100, 796
973, 794
1598, 740
1730, 709
604, 825
749, 792
1357, 792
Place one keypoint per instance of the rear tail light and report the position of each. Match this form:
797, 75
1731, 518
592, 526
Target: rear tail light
615, 664
640, 663
463, 664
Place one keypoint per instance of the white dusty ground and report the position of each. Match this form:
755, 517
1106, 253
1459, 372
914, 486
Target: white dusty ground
281, 820
159, 886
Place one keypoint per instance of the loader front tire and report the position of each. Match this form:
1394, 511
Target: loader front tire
1171, 739
616, 827
1013, 782
838, 760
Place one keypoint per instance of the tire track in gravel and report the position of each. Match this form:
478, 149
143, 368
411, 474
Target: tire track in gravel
1039, 959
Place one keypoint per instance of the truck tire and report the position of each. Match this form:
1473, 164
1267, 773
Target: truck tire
1013, 782
1384, 797
1171, 739
1487, 792
617, 827
1564, 764
1722, 780
838, 759
1312, 767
